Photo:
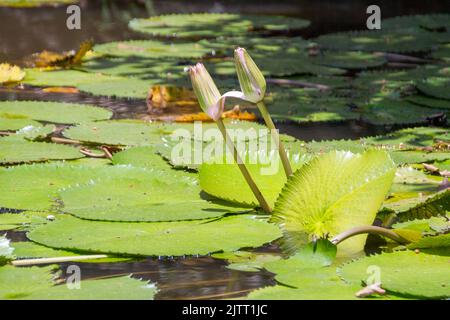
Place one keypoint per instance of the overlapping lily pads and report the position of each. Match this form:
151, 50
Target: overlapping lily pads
212, 24
17, 150
156, 239
407, 273
38, 284
58, 112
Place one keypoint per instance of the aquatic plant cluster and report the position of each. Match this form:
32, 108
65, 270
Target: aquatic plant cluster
86, 187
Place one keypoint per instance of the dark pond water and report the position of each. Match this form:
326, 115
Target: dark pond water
25, 31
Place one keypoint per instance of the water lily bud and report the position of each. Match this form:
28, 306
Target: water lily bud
206, 91
251, 79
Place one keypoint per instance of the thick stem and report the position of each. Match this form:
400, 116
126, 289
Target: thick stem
268, 120
251, 183
368, 229
29, 262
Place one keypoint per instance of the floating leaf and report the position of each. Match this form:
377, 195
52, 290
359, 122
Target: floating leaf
36, 283
157, 238
421, 207
156, 197
35, 187
57, 112
333, 193
16, 150
11, 123
438, 87
223, 179
373, 40
118, 87
130, 133
350, 60
429, 102
407, 273
151, 49
212, 24
146, 157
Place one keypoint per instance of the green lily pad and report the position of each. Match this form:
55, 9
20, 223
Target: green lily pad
390, 111
35, 187
387, 41
426, 21
20, 283
119, 288
425, 226
350, 60
146, 157
6, 251
57, 112
439, 242
13, 124
429, 102
443, 52
332, 193
213, 24
127, 133
118, 87
157, 238
61, 78
438, 87
223, 179
16, 150
421, 207
37, 283
151, 49
331, 290
407, 273
156, 197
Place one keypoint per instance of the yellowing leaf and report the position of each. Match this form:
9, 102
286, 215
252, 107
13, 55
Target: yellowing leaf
10, 73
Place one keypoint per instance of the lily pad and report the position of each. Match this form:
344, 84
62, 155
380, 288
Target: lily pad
224, 179
127, 133
35, 186
213, 24
151, 49
146, 157
16, 150
58, 112
407, 273
37, 283
387, 41
156, 197
350, 60
13, 124
332, 193
118, 87
438, 87
157, 238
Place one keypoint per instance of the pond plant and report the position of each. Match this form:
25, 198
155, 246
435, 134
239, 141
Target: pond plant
350, 219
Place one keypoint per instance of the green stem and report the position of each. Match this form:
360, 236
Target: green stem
251, 183
368, 229
268, 120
